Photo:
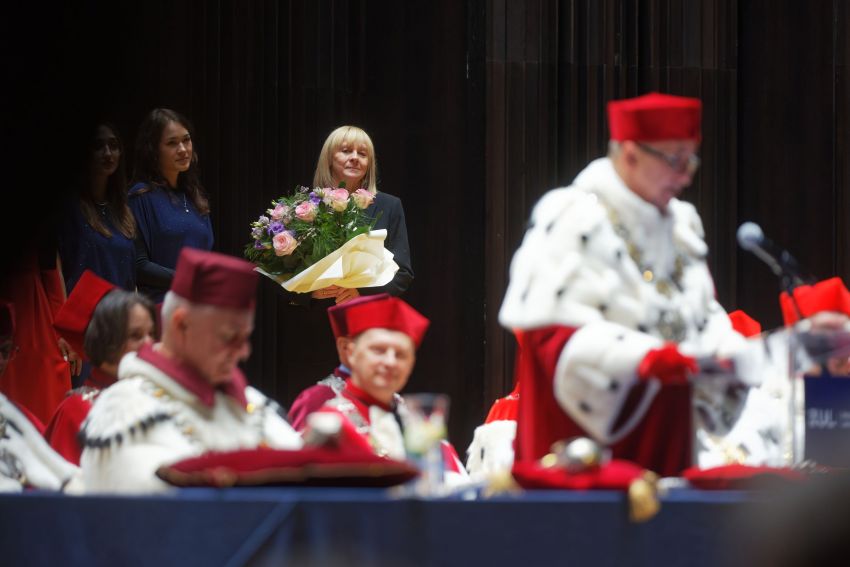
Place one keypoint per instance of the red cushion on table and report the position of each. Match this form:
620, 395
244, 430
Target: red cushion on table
740, 477
615, 475
311, 466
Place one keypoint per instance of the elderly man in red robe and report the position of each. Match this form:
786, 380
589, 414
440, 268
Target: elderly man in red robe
382, 353
313, 398
184, 396
613, 303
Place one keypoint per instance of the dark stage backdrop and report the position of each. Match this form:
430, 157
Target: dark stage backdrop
264, 83
774, 81
476, 108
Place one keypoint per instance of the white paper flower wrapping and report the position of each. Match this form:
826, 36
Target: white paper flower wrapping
361, 262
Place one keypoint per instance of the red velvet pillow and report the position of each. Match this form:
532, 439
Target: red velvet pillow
310, 466
614, 475
741, 477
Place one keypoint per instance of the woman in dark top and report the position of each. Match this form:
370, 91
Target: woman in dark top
167, 200
97, 233
348, 155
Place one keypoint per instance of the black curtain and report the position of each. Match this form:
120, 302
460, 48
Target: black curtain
476, 109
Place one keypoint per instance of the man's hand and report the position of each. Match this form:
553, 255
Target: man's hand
329, 292
338, 294
831, 322
346, 294
668, 365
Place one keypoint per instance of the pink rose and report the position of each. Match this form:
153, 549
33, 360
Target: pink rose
284, 243
306, 211
362, 198
279, 212
337, 199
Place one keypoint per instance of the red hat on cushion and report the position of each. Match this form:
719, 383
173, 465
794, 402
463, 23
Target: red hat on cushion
654, 117
336, 313
74, 316
828, 295
209, 278
7, 319
741, 477
390, 313
744, 324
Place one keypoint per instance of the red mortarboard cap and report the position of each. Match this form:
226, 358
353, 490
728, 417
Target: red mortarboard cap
336, 313
654, 117
209, 278
391, 313
7, 319
828, 295
74, 316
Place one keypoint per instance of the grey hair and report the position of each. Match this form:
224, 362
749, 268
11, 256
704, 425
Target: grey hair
169, 304
172, 301
613, 148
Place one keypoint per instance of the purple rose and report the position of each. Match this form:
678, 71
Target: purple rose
276, 227
259, 245
315, 199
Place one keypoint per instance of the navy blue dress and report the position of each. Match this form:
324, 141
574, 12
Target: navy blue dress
167, 221
81, 247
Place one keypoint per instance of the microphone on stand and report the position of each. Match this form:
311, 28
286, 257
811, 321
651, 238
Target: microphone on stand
781, 262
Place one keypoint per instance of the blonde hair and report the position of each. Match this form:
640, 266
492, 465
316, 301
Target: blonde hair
352, 134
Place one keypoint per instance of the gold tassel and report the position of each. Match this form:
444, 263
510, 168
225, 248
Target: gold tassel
500, 483
643, 497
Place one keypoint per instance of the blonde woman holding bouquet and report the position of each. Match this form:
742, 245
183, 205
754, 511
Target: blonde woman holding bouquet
348, 156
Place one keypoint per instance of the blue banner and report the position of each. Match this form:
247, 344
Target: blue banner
828, 420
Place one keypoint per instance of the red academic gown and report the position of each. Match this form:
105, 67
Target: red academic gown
661, 442
361, 402
64, 427
37, 377
312, 399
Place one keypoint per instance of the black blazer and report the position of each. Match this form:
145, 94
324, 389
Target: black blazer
392, 219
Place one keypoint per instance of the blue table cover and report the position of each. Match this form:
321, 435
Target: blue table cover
364, 527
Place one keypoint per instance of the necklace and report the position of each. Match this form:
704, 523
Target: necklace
664, 285
670, 323
185, 203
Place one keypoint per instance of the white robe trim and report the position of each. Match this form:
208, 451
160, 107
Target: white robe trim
28, 453
147, 419
574, 268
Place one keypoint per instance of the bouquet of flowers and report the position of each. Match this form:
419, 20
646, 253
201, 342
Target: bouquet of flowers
320, 237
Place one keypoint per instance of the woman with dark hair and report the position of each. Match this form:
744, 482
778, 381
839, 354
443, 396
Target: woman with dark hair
97, 234
103, 324
167, 200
